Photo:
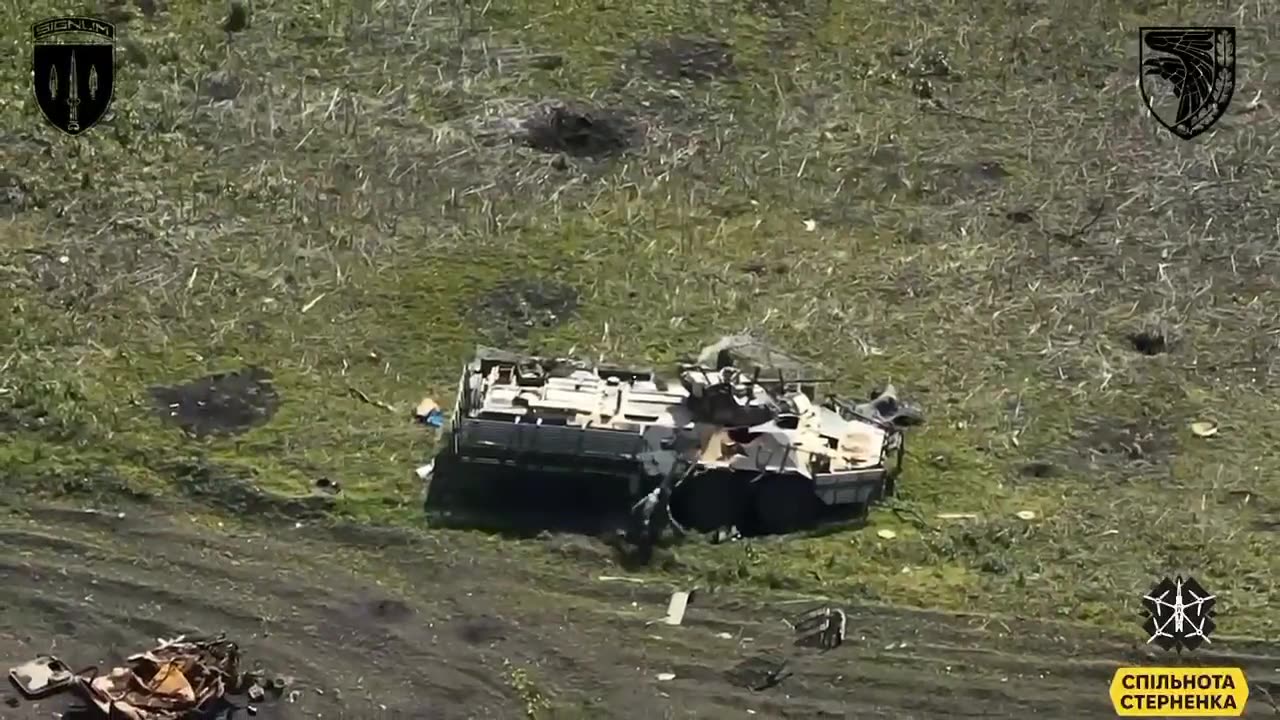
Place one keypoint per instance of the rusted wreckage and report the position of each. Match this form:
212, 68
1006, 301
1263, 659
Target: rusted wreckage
740, 439
178, 679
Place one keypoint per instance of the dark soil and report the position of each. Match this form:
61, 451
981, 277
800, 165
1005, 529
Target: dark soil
1124, 443
1148, 342
222, 404
1040, 469
231, 491
687, 58
430, 636
580, 133
514, 308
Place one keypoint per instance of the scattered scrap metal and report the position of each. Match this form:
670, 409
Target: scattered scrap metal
677, 606
41, 676
178, 679
758, 673
822, 627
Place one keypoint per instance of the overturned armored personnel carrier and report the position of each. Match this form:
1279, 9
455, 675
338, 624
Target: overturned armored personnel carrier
737, 438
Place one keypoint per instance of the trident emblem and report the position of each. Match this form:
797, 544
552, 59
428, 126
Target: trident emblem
73, 98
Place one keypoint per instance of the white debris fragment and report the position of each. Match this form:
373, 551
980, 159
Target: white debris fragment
886, 534
810, 225
664, 677
676, 607
312, 303
1026, 514
424, 472
956, 516
1204, 428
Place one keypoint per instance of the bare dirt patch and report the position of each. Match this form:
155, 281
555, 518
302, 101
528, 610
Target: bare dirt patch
695, 59
1131, 444
483, 630
514, 308
221, 404
580, 132
1040, 469
446, 633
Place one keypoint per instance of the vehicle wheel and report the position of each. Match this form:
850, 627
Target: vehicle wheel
785, 504
705, 503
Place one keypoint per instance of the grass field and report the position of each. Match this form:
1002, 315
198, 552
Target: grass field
968, 200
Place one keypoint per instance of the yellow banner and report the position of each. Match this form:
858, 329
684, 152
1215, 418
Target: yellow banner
1179, 692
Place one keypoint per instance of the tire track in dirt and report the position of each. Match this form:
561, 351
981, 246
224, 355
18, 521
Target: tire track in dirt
859, 679
66, 590
389, 626
896, 662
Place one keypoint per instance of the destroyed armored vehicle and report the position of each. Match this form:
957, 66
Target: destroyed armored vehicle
729, 442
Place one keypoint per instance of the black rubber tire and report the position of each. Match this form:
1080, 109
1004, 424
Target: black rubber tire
785, 504
705, 503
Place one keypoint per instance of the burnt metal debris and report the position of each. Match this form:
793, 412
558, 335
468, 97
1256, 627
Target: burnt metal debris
179, 679
41, 676
822, 628
739, 438
759, 673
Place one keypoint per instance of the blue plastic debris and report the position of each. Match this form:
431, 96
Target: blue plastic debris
429, 413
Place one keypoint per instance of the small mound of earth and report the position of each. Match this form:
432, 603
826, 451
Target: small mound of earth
518, 306
579, 132
690, 58
222, 404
